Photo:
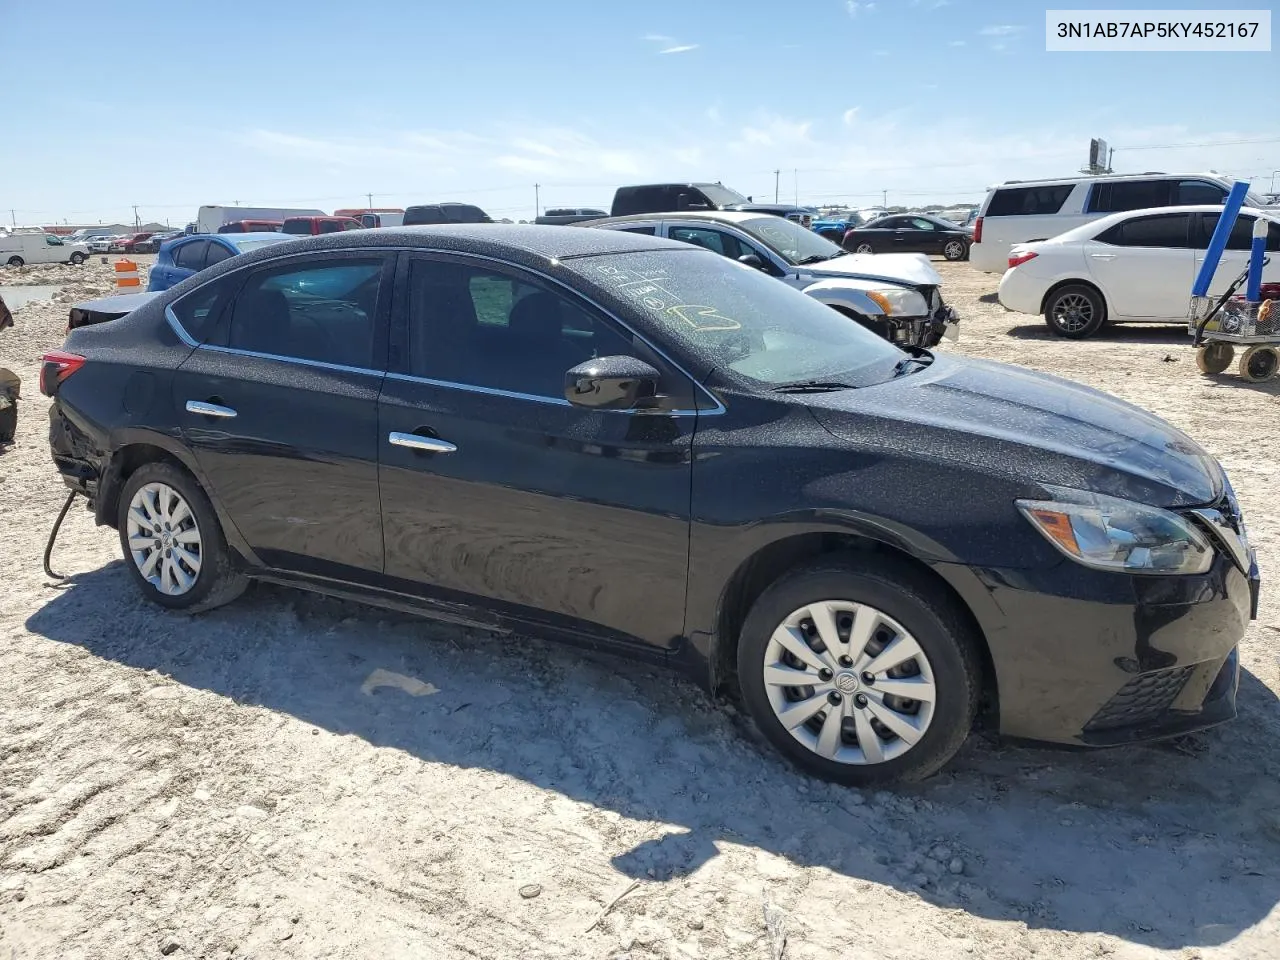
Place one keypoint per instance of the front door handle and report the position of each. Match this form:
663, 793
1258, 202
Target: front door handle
1103, 256
415, 441
209, 409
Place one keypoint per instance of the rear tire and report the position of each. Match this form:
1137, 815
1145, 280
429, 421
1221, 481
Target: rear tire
173, 544
955, 250
1075, 311
16, 262
1259, 363
77, 258
856, 730
863, 247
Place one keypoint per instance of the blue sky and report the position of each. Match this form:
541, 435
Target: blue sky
282, 102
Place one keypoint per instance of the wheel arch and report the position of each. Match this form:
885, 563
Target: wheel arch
776, 558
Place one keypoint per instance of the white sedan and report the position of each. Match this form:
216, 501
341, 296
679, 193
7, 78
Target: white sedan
1132, 267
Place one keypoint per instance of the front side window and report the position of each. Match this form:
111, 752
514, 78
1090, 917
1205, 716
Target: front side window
740, 322
322, 310
791, 241
330, 226
53, 241
1199, 191
190, 256
477, 327
1169, 230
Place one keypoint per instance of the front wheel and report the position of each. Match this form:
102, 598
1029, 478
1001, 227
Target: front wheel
955, 250
861, 673
16, 261
1215, 357
173, 543
1075, 311
77, 258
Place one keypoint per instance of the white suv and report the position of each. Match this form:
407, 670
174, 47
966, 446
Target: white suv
1025, 211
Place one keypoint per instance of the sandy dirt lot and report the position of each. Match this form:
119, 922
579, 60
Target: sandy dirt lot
296, 777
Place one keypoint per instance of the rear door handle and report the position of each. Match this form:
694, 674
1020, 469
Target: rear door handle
416, 441
209, 409
1103, 256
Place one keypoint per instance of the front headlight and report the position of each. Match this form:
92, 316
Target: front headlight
895, 301
1107, 533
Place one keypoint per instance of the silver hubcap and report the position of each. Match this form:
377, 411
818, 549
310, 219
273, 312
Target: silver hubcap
954, 250
164, 539
849, 682
1073, 312
864, 248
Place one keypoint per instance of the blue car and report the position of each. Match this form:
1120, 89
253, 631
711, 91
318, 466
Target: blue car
180, 258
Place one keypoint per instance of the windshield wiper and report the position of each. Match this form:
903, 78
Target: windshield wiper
819, 257
904, 365
812, 386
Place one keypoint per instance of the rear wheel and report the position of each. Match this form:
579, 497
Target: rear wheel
16, 261
1075, 311
955, 250
1259, 363
173, 542
77, 258
1215, 357
859, 673
863, 247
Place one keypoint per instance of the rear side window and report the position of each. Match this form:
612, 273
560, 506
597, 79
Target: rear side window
198, 311
427, 213
631, 200
649, 231
296, 226
1029, 201
190, 255
217, 253
1129, 195
321, 310
231, 228
1241, 233
1162, 230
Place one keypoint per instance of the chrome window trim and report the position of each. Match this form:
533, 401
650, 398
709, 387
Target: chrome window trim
186, 338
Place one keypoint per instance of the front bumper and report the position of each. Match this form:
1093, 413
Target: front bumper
1091, 658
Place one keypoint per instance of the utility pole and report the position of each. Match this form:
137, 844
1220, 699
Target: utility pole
884, 199
795, 174
137, 224
776, 174
369, 196
13, 216
537, 208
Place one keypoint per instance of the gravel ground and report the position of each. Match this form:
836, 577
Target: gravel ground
297, 777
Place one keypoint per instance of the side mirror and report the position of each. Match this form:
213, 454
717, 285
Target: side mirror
611, 383
751, 260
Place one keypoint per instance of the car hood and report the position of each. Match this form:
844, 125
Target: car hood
913, 268
1030, 426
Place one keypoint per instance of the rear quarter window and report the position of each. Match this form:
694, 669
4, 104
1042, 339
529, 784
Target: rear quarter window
1028, 201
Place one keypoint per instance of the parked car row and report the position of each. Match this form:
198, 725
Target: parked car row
614, 437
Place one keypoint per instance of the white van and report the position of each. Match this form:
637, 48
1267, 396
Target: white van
1024, 211
23, 246
210, 218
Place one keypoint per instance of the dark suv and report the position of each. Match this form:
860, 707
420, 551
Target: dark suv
673, 197
643, 446
429, 213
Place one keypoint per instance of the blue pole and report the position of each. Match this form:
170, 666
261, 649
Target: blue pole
1218, 243
1253, 291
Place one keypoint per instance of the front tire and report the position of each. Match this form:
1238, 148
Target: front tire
173, 543
1215, 357
955, 250
1075, 311
860, 673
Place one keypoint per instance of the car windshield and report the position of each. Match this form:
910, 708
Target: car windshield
790, 240
743, 324
244, 246
721, 195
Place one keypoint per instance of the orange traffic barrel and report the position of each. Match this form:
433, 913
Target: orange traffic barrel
127, 276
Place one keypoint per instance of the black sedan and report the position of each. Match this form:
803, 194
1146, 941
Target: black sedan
911, 233
645, 447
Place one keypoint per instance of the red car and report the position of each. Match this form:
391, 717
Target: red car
131, 245
311, 226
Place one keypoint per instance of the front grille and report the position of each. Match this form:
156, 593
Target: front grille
1141, 699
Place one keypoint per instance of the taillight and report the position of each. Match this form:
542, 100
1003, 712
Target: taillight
977, 230
1016, 260
55, 367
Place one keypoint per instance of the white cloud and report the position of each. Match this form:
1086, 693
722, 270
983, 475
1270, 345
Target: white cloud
657, 38
850, 115
682, 48
1000, 30
854, 7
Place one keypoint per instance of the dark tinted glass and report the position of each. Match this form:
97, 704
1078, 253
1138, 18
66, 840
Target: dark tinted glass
217, 253
191, 255
481, 328
647, 231
198, 311
463, 213
1161, 230
716, 241
299, 226
1199, 191
1028, 201
231, 228
330, 226
427, 213
320, 310
1129, 195
1241, 233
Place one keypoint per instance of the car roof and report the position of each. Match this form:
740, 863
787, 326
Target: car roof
1094, 227
1106, 178
713, 216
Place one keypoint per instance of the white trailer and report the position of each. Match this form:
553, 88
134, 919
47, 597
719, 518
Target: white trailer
210, 218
